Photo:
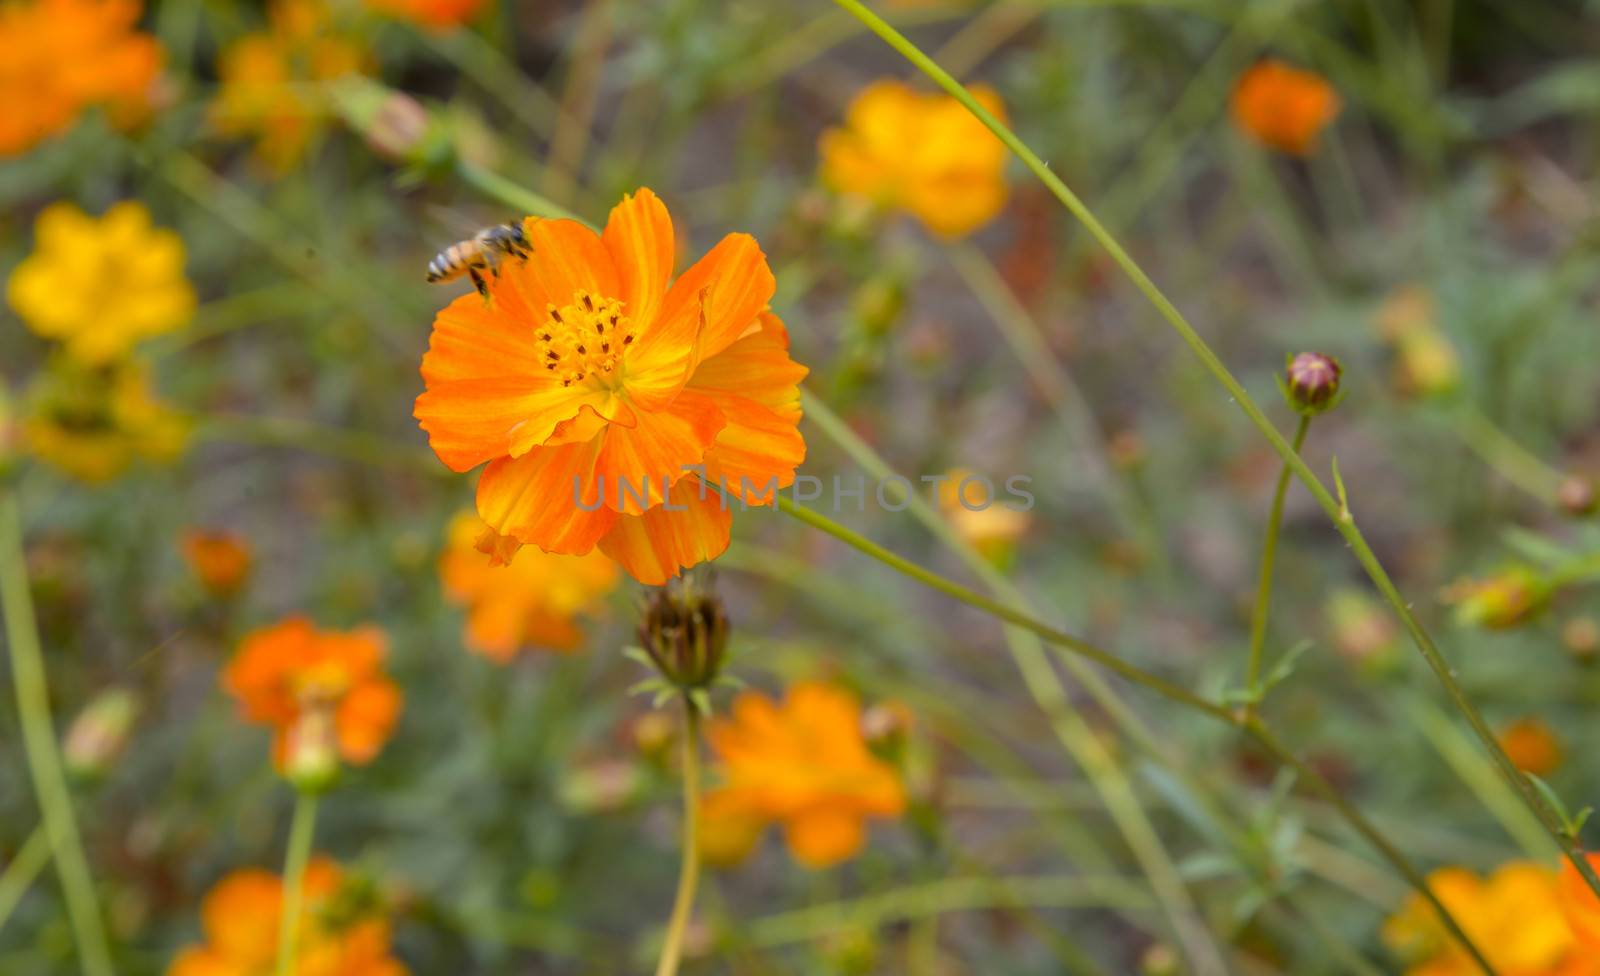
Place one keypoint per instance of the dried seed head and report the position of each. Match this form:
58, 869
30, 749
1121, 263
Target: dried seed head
1311, 383
685, 633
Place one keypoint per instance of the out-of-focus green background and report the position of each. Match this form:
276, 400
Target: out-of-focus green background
1462, 164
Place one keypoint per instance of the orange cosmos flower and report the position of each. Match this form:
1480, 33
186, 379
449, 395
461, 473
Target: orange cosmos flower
1531, 745
241, 915
272, 81
437, 14
306, 683
1581, 906
532, 602
219, 560
1514, 916
804, 764
921, 153
605, 401
57, 57
1283, 107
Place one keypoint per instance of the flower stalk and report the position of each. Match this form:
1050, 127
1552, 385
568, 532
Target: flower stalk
1345, 525
689, 869
1269, 553
39, 741
301, 830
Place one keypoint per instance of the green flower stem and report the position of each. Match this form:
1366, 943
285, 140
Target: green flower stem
39, 741
1250, 725
1105, 659
512, 195
1048, 692
689, 869
1341, 518
1508, 458
23, 869
301, 829
1269, 554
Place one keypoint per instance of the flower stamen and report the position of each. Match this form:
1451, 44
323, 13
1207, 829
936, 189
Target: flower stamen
566, 337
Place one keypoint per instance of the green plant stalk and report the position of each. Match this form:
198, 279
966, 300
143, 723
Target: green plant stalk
1501, 452
39, 742
301, 829
509, 193
1028, 652
1269, 554
689, 868
1342, 519
23, 869
1250, 725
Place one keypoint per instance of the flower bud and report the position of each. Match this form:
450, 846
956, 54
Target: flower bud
311, 751
1506, 599
1576, 495
1311, 383
1581, 637
685, 633
98, 735
219, 560
1160, 960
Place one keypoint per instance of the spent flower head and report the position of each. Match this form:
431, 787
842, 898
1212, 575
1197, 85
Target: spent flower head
684, 636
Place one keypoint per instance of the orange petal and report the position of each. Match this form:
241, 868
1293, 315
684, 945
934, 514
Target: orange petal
756, 385
737, 285
533, 497
824, 837
656, 368
488, 394
567, 257
640, 239
634, 463
658, 545
366, 718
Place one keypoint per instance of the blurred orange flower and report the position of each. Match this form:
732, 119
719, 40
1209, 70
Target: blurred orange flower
240, 919
532, 602
1531, 746
99, 285
57, 57
272, 81
219, 560
921, 153
1283, 107
1514, 916
94, 423
1581, 906
300, 680
594, 390
804, 764
437, 14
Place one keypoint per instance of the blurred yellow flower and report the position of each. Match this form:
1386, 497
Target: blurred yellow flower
804, 764
1283, 107
533, 602
338, 934
1508, 598
99, 286
437, 14
272, 81
1531, 745
1425, 360
93, 423
219, 560
921, 153
58, 57
1514, 916
988, 524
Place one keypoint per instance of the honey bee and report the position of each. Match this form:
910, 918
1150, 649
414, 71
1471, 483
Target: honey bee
485, 249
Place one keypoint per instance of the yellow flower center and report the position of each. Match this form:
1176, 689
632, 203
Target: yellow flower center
585, 337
